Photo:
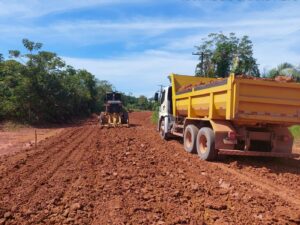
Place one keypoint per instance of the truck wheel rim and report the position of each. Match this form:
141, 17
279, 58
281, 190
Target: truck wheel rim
188, 139
203, 144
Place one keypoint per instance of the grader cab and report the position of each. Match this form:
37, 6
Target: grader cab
115, 114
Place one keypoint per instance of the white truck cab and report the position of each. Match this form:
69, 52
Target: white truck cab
165, 116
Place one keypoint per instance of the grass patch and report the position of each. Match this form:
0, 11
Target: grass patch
12, 125
154, 117
295, 130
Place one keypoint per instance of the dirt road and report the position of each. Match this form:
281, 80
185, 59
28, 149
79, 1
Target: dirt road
87, 175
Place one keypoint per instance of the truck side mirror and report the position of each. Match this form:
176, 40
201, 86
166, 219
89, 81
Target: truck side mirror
156, 97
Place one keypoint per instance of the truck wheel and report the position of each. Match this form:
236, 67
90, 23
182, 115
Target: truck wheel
163, 135
101, 119
125, 118
206, 144
189, 139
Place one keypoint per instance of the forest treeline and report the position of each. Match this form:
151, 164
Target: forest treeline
38, 86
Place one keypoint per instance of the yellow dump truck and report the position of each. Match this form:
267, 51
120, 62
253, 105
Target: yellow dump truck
231, 116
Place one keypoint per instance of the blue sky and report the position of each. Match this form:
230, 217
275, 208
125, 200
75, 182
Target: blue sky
135, 44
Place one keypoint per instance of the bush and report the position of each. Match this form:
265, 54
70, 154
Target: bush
295, 130
154, 117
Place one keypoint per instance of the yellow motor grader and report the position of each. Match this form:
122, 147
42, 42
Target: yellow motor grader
115, 114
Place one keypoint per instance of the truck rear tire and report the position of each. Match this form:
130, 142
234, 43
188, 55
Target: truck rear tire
206, 144
102, 119
125, 118
189, 139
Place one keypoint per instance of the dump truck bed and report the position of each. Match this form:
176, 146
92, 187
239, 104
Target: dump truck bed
241, 100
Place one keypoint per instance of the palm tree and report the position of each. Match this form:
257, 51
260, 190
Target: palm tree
285, 69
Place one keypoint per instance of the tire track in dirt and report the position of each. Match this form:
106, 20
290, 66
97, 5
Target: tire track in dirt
109, 203
25, 173
35, 179
59, 162
131, 176
282, 191
33, 154
71, 184
283, 172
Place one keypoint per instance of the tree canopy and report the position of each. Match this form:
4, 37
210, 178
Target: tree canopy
221, 55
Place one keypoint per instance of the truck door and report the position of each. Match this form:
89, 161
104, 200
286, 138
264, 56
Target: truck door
170, 102
163, 104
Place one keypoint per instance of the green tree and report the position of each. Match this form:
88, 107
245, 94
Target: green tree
31, 46
1, 58
143, 102
10, 80
102, 87
246, 64
14, 53
220, 55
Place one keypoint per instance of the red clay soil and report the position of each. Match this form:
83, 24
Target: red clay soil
23, 138
88, 175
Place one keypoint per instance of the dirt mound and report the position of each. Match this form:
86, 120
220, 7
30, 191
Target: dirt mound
87, 175
281, 78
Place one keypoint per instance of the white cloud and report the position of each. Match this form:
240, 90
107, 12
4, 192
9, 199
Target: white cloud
139, 73
163, 25
36, 8
84, 32
87, 32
